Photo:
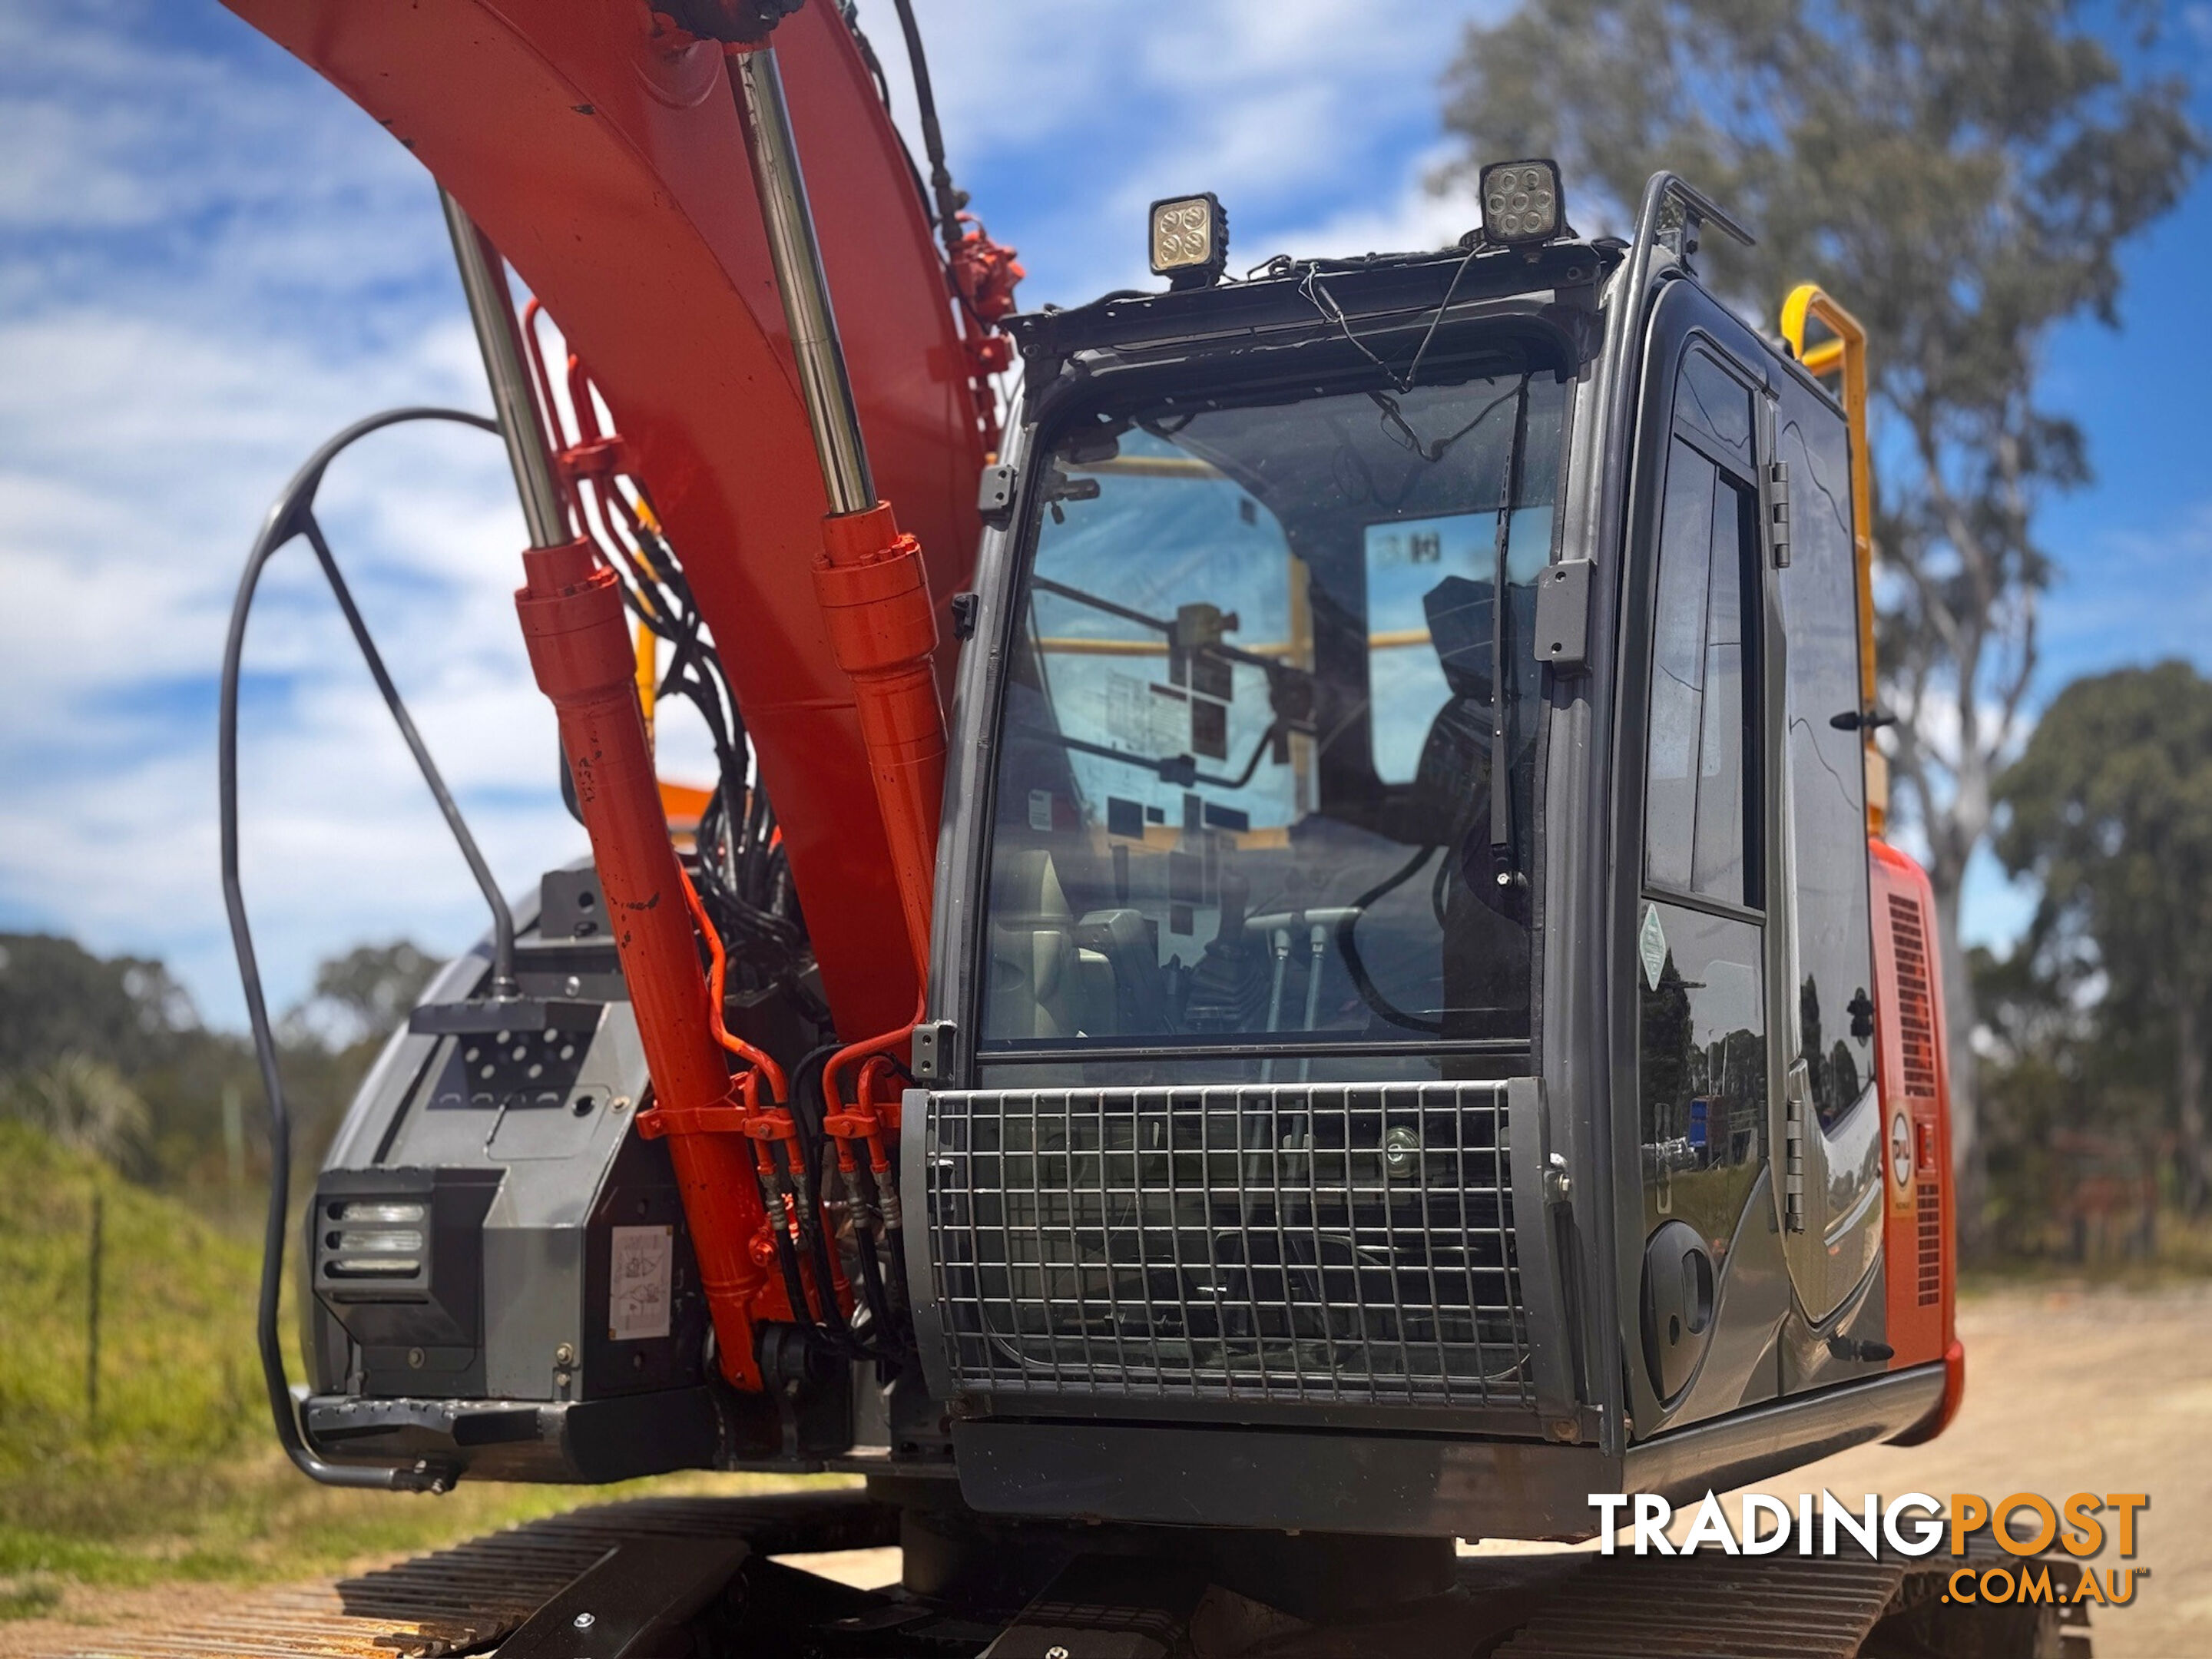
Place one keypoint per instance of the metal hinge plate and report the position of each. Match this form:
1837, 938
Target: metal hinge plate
1777, 511
994, 492
934, 1042
1793, 1161
1563, 598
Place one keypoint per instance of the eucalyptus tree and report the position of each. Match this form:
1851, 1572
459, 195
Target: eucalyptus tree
1963, 174
2109, 808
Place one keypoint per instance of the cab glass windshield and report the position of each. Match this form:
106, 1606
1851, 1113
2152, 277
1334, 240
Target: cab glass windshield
1266, 753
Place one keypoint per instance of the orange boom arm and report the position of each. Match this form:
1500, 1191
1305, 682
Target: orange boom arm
599, 147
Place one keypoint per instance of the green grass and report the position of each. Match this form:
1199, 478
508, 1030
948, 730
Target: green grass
178, 1476
2183, 1256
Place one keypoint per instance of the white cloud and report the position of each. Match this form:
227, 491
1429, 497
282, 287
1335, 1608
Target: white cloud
1094, 107
2095, 616
211, 260
1409, 218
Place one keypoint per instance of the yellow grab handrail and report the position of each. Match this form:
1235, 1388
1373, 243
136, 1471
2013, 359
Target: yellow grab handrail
1845, 355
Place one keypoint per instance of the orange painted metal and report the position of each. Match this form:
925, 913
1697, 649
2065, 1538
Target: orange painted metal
601, 151
874, 591
579, 650
1913, 1086
875, 597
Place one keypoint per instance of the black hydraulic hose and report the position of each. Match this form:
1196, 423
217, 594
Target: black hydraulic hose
808, 1108
872, 1292
933, 137
806, 1116
292, 515
776, 1193
895, 1248
502, 919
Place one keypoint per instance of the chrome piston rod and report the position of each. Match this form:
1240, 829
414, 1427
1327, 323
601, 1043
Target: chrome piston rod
499, 336
824, 381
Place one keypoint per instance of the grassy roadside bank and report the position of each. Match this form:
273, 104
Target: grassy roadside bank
175, 1481
173, 1475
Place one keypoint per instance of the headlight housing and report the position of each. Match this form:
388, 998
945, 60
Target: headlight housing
1521, 201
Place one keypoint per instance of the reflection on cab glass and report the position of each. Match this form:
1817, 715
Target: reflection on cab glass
1245, 785
1429, 583
1701, 1067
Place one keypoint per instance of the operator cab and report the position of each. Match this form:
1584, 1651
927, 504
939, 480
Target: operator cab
1405, 957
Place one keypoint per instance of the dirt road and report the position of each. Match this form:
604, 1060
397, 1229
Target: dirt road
2069, 1390
2080, 1390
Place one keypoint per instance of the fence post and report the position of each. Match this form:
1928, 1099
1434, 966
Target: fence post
92, 1316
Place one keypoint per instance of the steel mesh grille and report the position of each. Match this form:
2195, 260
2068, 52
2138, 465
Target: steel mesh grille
1328, 1243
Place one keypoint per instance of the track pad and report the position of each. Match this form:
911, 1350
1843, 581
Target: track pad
632, 1603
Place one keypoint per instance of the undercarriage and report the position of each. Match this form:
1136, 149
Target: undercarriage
711, 1577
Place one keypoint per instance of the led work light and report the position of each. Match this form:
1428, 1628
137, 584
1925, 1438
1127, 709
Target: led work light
1521, 201
1189, 240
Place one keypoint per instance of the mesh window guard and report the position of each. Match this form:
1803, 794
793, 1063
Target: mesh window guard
1330, 1243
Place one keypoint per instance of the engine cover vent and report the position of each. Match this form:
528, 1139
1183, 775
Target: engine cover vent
1928, 1233
1916, 1006
1330, 1243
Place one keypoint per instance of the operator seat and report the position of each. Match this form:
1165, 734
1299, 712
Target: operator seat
1043, 983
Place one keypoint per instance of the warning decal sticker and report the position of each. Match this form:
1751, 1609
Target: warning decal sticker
1651, 945
637, 1285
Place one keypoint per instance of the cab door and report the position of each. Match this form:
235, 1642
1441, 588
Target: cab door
1827, 1125
1704, 956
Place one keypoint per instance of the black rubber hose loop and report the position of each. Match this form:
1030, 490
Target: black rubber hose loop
292, 516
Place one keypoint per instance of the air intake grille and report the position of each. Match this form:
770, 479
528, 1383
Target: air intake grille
1916, 1007
1929, 1218
1337, 1244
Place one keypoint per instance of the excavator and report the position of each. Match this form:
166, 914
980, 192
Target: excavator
1203, 1040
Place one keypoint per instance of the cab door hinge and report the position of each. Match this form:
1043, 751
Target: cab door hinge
1562, 602
994, 493
1777, 511
934, 1042
1795, 1088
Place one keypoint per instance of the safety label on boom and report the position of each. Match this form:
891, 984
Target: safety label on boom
637, 1285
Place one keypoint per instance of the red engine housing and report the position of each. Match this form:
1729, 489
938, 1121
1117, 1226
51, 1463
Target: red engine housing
1913, 1072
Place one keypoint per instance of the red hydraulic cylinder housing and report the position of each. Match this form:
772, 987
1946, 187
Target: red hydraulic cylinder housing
874, 593
581, 654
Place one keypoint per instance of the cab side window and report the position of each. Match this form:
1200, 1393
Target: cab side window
1700, 945
1701, 833
1825, 797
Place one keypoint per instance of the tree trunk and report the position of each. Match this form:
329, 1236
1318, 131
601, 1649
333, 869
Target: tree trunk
2188, 1092
1969, 1157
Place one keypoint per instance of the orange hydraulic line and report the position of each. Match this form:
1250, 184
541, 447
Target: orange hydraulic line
717, 975
832, 1099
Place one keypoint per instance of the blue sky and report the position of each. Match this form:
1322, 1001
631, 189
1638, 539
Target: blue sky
209, 260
